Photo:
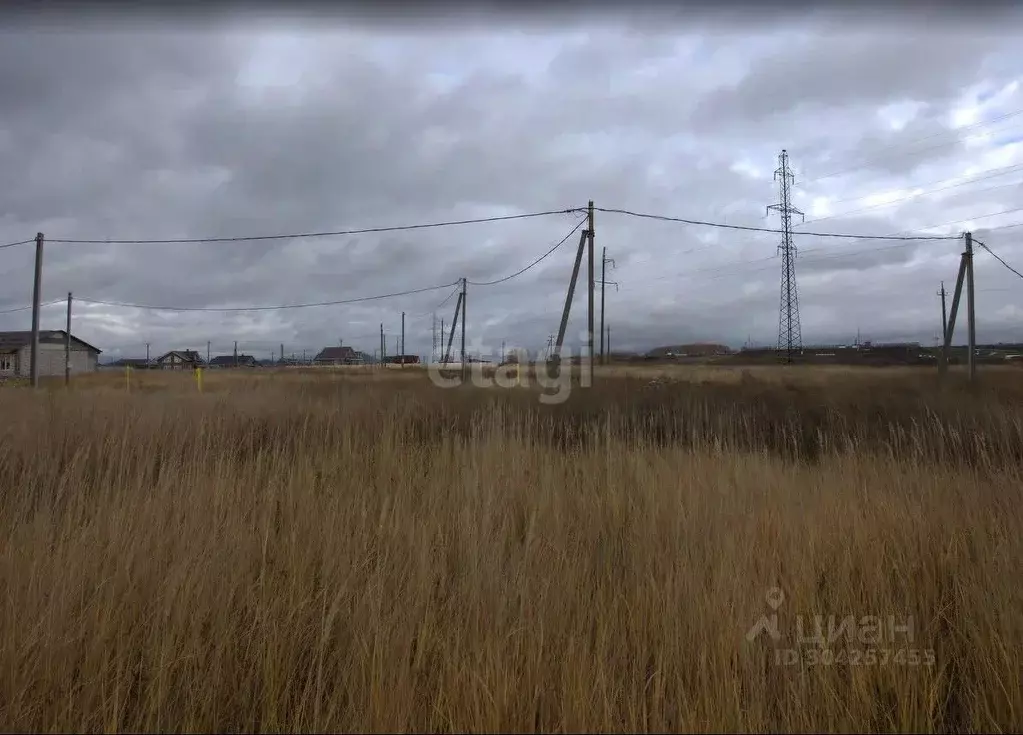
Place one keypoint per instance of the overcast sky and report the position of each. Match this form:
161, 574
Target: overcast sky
151, 129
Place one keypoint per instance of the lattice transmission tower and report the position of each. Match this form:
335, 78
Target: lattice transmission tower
790, 337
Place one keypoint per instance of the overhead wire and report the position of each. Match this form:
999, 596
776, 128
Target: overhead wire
749, 228
279, 307
519, 272
972, 219
967, 179
955, 131
999, 259
25, 308
917, 195
16, 244
336, 233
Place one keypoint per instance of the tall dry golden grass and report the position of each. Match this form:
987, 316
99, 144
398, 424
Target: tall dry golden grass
332, 552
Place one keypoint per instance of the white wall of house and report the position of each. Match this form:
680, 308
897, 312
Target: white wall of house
52, 358
174, 362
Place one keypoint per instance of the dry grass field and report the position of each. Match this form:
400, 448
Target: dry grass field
359, 550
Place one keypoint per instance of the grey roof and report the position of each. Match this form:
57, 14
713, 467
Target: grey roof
230, 360
336, 353
17, 340
189, 355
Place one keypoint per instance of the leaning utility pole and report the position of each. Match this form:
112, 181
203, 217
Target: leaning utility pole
555, 357
603, 282
67, 344
790, 336
454, 323
36, 290
965, 274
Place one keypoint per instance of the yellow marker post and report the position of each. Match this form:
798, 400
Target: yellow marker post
198, 378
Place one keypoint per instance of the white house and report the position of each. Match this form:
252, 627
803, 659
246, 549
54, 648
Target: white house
16, 354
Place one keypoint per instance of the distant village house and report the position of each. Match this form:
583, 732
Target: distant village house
179, 360
16, 354
339, 356
229, 361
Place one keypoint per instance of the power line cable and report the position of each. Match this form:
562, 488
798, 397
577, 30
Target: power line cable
337, 233
535, 262
955, 131
919, 194
726, 270
1002, 227
978, 242
967, 179
14, 245
774, 231
441, 304
263, 308
972, 219
24, 308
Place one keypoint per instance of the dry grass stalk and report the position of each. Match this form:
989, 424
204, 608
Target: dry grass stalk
325, 552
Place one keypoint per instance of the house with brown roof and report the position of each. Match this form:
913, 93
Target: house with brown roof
338, 356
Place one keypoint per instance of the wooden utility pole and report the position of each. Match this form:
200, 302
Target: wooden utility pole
971, 313
147, 354
464, 366
556, 354
207, 352
36, 295
603, 282
235, 354
67, 344
403, 339
944, 312
946, 343
454, 323
589, 315
383, 346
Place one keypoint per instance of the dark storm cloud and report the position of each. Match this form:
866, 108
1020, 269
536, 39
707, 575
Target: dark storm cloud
229, 132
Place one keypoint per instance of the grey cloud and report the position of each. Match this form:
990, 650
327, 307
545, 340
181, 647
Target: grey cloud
124, 135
